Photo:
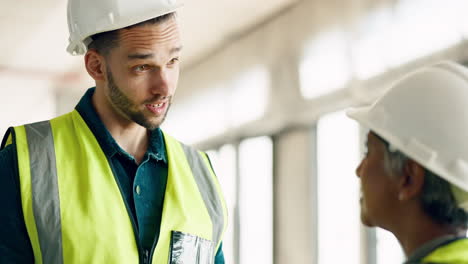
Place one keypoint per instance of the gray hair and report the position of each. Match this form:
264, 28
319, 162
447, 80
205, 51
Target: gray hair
437, 198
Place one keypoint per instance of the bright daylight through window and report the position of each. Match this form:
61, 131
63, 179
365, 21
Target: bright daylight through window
256, 200
231, 105
338, 190
225, 167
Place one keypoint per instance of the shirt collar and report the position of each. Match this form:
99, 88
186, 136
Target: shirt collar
428, 247
156, 148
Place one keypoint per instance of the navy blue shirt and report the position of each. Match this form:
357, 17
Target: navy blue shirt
143, 187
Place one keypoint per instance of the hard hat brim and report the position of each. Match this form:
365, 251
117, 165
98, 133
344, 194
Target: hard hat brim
360, 115
363, 116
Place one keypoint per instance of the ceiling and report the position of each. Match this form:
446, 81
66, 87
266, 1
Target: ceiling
35, 33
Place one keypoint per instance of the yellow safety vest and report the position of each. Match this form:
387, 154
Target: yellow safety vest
455, 252
74, 210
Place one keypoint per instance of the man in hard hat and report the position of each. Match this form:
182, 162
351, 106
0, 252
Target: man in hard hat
414, 176
103, 184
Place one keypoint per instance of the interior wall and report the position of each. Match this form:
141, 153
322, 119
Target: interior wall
25, 100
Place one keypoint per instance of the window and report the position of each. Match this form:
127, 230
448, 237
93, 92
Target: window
256, 201
249, 96
367, 49
420, 28
391, 36
213, 111
461, 18
388, 249
338, 190
224, 164
325, 67
198, 118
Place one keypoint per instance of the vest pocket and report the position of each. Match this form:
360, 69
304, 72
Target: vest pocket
190, 249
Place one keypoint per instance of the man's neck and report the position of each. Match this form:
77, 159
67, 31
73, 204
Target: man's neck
134, 140
130, 136
417, 229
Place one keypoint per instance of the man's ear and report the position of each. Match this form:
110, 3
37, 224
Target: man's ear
95, 65
412, 181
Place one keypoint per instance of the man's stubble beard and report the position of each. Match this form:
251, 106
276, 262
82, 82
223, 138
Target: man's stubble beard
126, 107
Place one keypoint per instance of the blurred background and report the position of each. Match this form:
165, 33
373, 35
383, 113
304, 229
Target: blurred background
263, 89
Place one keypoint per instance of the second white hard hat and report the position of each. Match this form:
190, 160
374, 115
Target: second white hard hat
89, 17
425, 116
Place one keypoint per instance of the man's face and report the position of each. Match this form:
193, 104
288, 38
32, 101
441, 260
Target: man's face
378, 188
143, 71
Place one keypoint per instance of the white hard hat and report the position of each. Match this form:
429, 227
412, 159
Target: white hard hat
89, 17
425, 116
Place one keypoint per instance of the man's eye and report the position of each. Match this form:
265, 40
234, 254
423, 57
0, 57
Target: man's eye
173, 61
141, 68
365, 152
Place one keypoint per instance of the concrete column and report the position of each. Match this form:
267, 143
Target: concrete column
295, 196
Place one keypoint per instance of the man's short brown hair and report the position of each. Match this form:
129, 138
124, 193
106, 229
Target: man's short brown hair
104, 42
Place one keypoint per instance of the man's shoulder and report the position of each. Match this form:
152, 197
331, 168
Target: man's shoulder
7, 159
6, 152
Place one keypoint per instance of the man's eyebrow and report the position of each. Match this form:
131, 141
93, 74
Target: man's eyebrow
176, 49
142, 56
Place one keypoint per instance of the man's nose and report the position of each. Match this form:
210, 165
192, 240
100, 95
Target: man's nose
160, 83
358, 169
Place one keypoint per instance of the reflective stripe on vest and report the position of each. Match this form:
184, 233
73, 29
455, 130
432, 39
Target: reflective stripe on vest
210, 196
73, 207
45, 197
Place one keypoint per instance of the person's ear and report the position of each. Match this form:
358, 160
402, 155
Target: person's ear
411, 181
95, 65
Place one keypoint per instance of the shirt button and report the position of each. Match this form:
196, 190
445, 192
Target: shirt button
138, 189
